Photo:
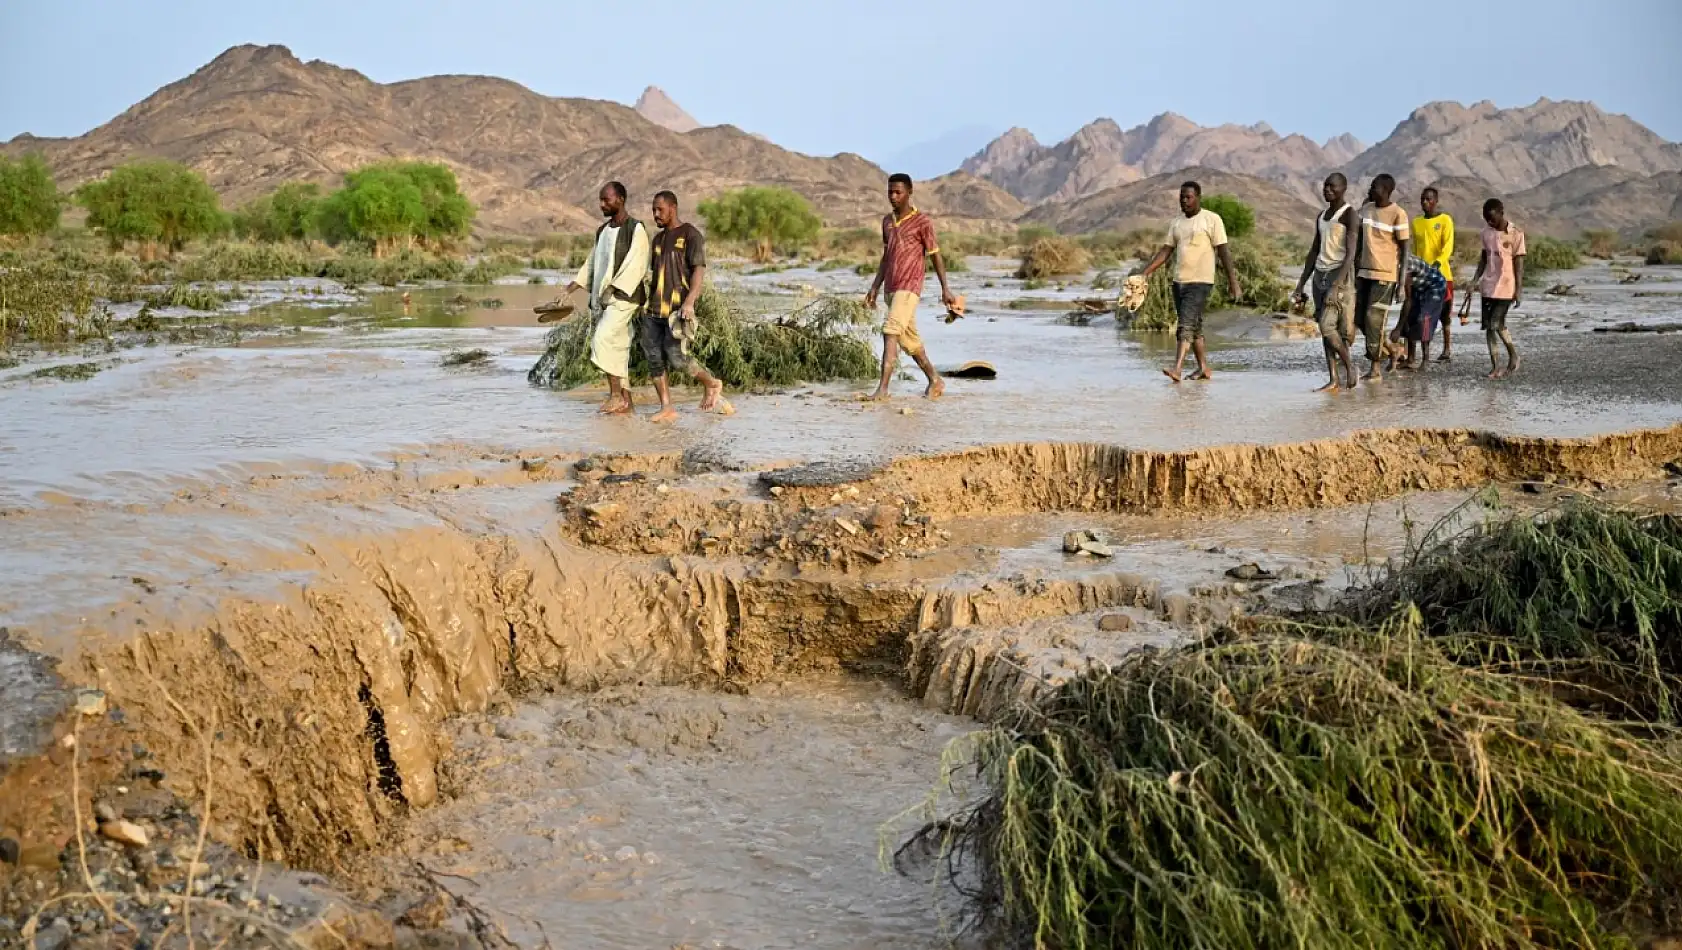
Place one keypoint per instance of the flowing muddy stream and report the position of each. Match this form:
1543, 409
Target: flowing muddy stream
669, 818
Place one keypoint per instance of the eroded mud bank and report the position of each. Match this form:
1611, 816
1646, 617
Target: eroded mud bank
326, 674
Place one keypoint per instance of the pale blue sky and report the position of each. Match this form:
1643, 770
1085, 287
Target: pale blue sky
874, 76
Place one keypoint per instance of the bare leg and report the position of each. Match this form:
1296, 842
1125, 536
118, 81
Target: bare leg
1179, 362
1203, 371
1490, 338
619, 401
936, 384
890, 361
1512, 351
1331, 366
666, 413
1446, 320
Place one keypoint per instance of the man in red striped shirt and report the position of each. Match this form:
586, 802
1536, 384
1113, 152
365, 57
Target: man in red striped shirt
907, 238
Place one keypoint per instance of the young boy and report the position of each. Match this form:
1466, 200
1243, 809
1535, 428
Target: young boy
1328, 265
1427, 302
907, 239
1433, 238
1195, 239
1500, 279
678, 271
1380, 277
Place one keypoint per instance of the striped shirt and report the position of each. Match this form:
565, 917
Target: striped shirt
1382, 232
907, 242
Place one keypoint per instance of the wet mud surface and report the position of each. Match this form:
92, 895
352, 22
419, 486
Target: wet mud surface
735, 667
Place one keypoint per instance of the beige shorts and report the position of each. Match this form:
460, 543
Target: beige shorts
610, 345
902, 321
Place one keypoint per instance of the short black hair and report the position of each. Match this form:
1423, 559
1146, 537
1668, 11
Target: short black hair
1385, 183
900, 178
1196, 189
1492, 205
1338, 178
1429, 190
617, 188
668, 197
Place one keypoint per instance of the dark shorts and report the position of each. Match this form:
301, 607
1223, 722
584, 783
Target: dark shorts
1424, 314
663, 350
1189, 301
1495, 314
1372, 302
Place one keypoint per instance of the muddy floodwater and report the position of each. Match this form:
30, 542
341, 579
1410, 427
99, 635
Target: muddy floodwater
615, 684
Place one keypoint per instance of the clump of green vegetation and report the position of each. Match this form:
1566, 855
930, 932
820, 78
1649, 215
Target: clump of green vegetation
285, 214
1109, 248
772, 218
956, 262
152, 203
549, 262
46, 302
1030, 234
1549, 254
852, 243
1591, 592
465, 358
188, 297
1257, 261
835, 263
234, 260
1052, 257
29, 200
66, 372
490, 267
1238, 217
866, 268
824, 340
392, 205
967, 244
1602, 243
1665, 252
1315, 787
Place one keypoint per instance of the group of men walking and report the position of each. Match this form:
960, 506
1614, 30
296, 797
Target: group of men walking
1360, 264
648, 287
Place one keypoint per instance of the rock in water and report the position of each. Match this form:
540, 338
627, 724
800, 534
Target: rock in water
1115, 623
1097, 549
126, 832
1073, 540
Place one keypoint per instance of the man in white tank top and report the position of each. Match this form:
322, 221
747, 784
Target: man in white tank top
1330, 266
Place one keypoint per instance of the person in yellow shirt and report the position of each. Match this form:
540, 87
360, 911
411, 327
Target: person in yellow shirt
1433, 235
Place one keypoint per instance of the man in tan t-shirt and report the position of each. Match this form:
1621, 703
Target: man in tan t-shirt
1379, 277
1194, 238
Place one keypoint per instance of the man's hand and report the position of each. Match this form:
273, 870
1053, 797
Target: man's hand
1518, 298
1232, 289
573, 287
870, 299
689, 310
948, 298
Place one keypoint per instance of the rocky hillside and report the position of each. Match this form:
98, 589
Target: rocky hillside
1102, 155
257, 116
1151, 203
1513, 149
658, 108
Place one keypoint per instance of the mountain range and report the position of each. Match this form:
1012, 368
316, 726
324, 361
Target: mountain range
257, 116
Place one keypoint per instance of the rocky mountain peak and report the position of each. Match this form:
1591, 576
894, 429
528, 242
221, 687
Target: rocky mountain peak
658, 108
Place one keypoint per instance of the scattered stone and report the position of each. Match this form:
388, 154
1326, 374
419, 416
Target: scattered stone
104, 812
126, 832
905, 411
819, 475
1115, 623
1074, 540
776, 491
533, 465
1097, 549
848, 525
10, 851
626, 853
625, 479
1251, 572
90, 702
1063, 641
584, 465
874, 557
1562, 290
54, 937
601, 511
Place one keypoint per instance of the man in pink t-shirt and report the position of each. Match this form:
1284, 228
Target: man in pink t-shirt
1500, 279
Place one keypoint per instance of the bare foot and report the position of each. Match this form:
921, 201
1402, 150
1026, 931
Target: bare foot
1512, 367
666, 414
937, 386
1171, 374
1446, 357
618, 407
712, 395
1330, 387
1203, 375
1374, 375
1496, 374
880, 395
722, 407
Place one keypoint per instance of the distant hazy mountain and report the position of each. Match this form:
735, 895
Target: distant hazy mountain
1102, 155
1150, 203
941, 154
658, 108
258, 116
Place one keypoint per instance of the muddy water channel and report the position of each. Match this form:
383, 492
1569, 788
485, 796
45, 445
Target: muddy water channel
612, 684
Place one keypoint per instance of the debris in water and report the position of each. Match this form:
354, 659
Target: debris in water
1251, 572
974, 369
1562, 290
466, 357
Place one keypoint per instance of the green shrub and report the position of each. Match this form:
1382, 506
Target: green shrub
1665, 252
1549, 254
152, 202
956, 261
1239, 219
1602, 243
1257, 262
286, 214
224, 261
187, 297
1052, 257
392, 204
1030, 234
772, 218
1670, 232
42, 301
29, 200
824, 340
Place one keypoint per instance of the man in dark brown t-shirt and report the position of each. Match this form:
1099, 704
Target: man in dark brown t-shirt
677, 268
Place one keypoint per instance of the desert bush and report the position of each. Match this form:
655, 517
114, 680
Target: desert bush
187, 297
286, 214
489, 267
1109, 248
231, 260
1549, 254
29, 200
1670, 232
1239, 219
824, 340
392, 204
956, 261
1257, 262
1052, 257
153, 203
771, 218
1602, 243
1313, 787
43, 301
964, 243
1665, 252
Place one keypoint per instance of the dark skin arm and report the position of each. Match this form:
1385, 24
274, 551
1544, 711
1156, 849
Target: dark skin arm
696, 278
881, 275
1224, 251
1518, 281
1308, 264
1477, 281
940, 272
1159, 259
1351, 225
